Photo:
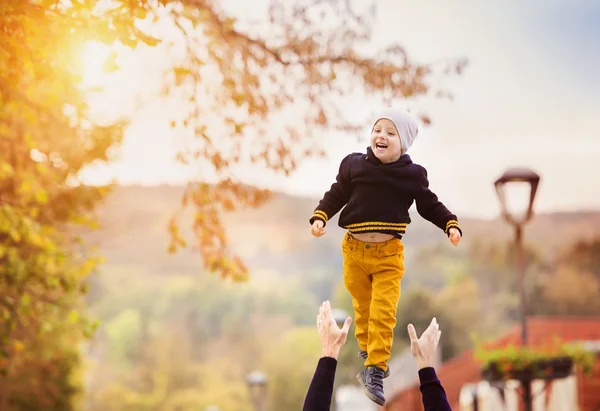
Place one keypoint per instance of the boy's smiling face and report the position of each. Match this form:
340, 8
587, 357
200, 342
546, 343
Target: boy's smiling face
385, 141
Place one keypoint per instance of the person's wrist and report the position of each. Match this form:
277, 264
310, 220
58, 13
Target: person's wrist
330, 352
424, 364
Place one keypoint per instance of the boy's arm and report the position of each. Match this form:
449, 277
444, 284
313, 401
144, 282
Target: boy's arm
337, 196
430, 208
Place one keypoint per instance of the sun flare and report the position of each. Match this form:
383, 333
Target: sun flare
95, 57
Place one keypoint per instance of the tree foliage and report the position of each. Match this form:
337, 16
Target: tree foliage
262, 93
256, 93
201, 338
46, 138
570, 285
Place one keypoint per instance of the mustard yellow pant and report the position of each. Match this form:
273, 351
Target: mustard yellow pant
372, 274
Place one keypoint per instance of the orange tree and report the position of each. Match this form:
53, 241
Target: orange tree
46, 137
254, 81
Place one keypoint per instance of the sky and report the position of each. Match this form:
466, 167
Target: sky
529, 97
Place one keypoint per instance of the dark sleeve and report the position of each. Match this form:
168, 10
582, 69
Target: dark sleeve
336, 197
432, 209
434, 396
318, 397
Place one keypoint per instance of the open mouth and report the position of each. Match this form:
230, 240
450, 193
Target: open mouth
381, 145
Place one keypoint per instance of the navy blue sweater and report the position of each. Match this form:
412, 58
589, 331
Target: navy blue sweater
378, 196
320, 392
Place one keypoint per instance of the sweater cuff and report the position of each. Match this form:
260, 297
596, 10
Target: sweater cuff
452, 224
427, 375
319, 215
327, 363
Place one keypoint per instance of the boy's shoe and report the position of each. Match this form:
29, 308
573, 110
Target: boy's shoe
371, 380
363, 354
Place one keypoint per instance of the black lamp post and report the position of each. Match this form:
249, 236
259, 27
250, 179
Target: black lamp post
257, 385
511, 178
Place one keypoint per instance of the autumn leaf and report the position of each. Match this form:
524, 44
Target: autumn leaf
110, 64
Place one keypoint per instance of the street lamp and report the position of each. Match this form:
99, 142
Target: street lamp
257, 385
527, 181
512, 179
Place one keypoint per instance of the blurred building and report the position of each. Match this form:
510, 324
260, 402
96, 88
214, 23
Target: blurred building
461, 376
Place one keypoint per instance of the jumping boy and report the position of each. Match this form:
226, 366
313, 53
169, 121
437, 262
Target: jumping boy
377, 190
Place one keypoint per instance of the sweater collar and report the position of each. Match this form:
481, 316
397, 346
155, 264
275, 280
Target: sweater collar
402, 161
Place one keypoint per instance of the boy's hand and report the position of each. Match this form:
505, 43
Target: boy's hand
317, 229
454, 236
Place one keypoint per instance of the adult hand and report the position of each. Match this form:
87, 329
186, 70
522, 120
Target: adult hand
332, 337
423, 349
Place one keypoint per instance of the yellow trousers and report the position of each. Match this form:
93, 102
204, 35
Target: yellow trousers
372, 274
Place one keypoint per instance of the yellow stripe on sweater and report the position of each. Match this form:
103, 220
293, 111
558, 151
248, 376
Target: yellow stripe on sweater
378, 228
451, 224
376, 224
322, 214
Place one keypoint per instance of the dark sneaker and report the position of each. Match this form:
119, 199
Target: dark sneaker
371, 380
363, 354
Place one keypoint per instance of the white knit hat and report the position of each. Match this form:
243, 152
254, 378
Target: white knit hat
405, 123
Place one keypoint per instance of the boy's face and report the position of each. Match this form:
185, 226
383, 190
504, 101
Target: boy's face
385, 141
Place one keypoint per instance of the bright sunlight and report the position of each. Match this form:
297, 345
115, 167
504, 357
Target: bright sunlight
98, 62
